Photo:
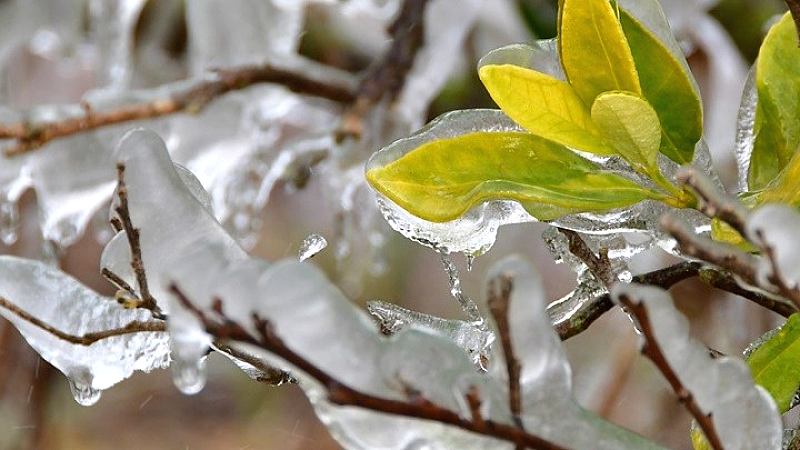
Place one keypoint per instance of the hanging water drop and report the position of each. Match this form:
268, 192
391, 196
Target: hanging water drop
311, 246
9, 221
83, 393
189, 374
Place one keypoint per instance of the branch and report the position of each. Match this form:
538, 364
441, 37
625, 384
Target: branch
272, 376
713, 202
792, 293
499, 296
386, 78
652, 350
599, 266
724, 281
343, 395
135, 326
146, 300
30, 136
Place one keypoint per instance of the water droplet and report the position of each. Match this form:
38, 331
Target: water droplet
311, 246
83, 393
9, 222
189, 374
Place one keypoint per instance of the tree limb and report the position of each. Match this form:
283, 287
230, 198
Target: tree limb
498, 302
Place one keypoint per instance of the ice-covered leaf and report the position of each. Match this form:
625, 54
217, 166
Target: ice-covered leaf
593, 49
58, 300
545, 106
776, 128
632, 127
441, 180
743, 414
667, 86
776, 363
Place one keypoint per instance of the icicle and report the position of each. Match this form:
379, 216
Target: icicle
467, 305
9, 221
470, 262
312, 245
189, 374
82, 390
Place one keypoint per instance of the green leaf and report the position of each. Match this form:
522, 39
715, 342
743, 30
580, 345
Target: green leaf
593, 49
777, 122
668, 88
545, 106
632, 126
441, 180
776, 363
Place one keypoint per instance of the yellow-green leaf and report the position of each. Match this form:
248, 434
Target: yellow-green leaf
777, 128
543, 105
668, 88
441, 180
785, 188
593, 49
776, 363
632, 126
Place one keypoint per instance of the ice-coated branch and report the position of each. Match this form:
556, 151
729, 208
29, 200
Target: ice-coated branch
271, 375
724, 281
417, 406
599, 265
385, 79
145, 299
499, 296
135, 326
712, 201
775, 277
652, 350
30, 136
571, 320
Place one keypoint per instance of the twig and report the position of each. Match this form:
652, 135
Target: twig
652, 350
599, 266
343, 395
386, 78
794, 10
117, 281
146, 300
271, 375
498, 301
792, 293
724, 281
713, 202
30, 136
135, 326
473, 397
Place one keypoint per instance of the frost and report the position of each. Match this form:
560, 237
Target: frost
744, 415
60, 301
776, 227
312, 245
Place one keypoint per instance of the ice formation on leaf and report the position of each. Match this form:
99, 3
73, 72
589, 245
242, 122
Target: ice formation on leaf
744, 415
58, 300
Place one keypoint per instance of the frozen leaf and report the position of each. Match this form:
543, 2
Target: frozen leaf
744, 415
441, 180
776, 131
668, 87
60, 301
775, 363
541, 56
590, 36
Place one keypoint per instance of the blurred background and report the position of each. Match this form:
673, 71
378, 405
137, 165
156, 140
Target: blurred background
58, 52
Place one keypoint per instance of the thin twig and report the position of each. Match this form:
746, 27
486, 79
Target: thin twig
135, 326
498, 301
599, 266
271, 375
713, 202
792, 293
724, 281
117, 281
652, 350
146, 300
30, 136
343, 395
386, 78
794, 10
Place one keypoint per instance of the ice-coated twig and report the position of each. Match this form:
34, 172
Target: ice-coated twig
272, 376
724, 281
117, 281
467, 305
340, 394
652, 350
30, 136
146, 300
794, 10
499, 296
599, 266
713, 202
775, 277
135, 326
385, 79
572, 319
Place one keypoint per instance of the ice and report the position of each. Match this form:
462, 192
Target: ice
745, 137
60, 301
777, 226
541, 55
113, 23
744, 415
189, 373
312, 245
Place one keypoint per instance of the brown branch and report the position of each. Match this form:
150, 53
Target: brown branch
652, 350
794, 10
271, 375
724, 281
30, 136
498, 301
135, 326
343, 395
117, 281
792, 293
713, 202
146, 300
599, 266
386, 78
